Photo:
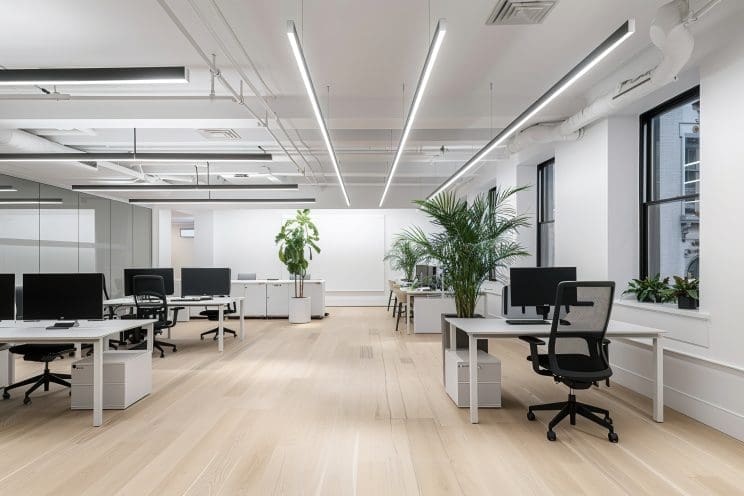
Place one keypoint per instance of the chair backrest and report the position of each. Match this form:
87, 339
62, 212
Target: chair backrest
149, 297
246, 276
110, 314
580, 330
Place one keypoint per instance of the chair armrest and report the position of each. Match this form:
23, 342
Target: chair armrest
532, 340
534, 355
175, 313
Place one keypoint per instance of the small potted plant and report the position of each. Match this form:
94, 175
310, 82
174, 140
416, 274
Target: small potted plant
650, 290
297, 237
686, 291
403, 256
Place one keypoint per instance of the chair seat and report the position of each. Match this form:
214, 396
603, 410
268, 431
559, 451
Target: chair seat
214, 314
578, 363
42, 352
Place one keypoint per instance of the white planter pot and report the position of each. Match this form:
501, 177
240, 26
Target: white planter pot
299, 310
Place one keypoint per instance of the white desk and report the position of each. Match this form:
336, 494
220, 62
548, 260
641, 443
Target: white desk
88, 332
221, 302
498, 328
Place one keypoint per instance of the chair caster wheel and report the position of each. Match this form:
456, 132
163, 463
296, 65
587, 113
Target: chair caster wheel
26, 400
201, 337
6, 395
551, 436
162, 355
174, 350
530, 416
612, 436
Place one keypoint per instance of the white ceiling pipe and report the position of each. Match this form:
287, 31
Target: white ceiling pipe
670, 34
17, 140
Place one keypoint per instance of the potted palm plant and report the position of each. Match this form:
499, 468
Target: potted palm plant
403, 256
298, 237
475, 240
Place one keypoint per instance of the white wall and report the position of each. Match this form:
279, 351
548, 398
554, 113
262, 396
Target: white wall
352, 241
182, 250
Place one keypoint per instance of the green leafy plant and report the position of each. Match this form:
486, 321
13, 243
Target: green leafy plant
651, 289
404, 255
296, 237
476, 239
684, 287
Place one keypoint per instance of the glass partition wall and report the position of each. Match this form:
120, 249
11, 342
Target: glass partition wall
48, 229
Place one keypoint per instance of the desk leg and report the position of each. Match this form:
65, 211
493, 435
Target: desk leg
242, 320
78, 351
221, 329
150, 329
97, 382
473, 368
658, 350
11, 368
408, 313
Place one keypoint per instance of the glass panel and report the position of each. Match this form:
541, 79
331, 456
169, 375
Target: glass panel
675, 152
121, 245
19, 228
94, 249
58, 231
547, 245
547, 194
674, 238
142, 234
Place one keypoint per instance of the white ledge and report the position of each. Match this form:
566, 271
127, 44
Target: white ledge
669, 308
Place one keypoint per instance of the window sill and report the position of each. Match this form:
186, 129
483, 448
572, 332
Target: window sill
669, 308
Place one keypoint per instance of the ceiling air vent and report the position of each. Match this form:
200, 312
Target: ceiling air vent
511, 12
218, 134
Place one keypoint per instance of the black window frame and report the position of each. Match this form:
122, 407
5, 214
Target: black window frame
645, 183
541, 214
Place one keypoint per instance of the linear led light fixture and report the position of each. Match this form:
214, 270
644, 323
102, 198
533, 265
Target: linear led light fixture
294, 41
100, 75
220, 201
7, 189
182, 187
30, 201
431, 57
613, 41
135, 157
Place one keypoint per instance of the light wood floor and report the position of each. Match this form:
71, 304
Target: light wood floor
341, 407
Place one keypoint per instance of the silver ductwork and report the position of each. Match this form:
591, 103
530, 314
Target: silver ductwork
670, 35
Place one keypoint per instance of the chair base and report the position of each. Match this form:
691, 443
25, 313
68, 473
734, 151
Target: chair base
570, 409
156, 344
215, 331
43, 379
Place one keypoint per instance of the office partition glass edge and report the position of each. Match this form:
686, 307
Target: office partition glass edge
543, 217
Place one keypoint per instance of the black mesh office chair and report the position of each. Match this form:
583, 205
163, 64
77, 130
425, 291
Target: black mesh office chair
152, 303
214, 315
42, 353
576, 351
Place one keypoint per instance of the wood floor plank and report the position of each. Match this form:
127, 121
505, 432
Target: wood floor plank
345, 405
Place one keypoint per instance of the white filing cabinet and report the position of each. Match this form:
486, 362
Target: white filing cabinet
255, 299
316, 291
270, 298
457, 378
127, 377
277, 299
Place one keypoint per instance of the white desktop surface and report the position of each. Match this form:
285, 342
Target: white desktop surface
88, 331
499, 328
275, 281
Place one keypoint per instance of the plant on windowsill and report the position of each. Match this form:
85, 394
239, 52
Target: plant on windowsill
476, 239
650, 290
686, 291
404, 256
297, 237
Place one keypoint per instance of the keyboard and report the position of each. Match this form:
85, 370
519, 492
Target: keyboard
527, 321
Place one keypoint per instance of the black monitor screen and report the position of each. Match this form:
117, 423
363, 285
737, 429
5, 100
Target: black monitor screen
205, 282
536, 286
62, 296
166, 274
7, 296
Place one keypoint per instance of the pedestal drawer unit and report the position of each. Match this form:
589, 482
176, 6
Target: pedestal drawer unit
127, 377
457, 378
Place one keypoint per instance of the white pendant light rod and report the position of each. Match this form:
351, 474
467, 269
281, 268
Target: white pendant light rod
181, 187
7, 189
605, 48
221, 201
431, 57
31, 201
294, 41
98, 75
135, 157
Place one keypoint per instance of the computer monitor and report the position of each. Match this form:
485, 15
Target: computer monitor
7, 296
205, 281
62, 296
425, 272
537, 286
165, 273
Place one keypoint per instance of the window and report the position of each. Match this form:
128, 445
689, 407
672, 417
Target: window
545, 214
670, 187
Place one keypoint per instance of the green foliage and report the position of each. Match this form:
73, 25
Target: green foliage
651, 289
475, 239
404, 255
684, 287
295, 237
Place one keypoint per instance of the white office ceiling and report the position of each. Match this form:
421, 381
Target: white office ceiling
360, 54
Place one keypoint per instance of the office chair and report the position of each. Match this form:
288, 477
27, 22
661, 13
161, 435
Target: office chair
151, 303
391, 285
576, 351
214, 315
42, 353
